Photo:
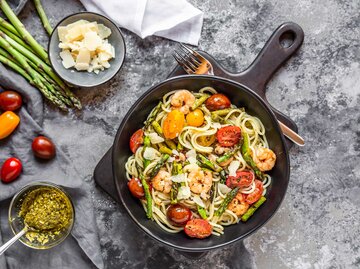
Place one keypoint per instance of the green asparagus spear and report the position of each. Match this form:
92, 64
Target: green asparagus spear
15, 37
170, 144
9, 27
158, 166
228, 154
157, 127
165, 150
5, 60
177, 169
246, 153
179, 147
202, 212
152, 115
223, 177
43, 16
147, 196
208, 164
21, 60
20, 28
229, 197
253, 208
198, 102
215, 115
147, 143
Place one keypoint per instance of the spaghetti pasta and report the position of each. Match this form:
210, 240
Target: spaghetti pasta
199, 183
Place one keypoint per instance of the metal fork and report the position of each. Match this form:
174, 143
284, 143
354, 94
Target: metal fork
192, 62
195, 64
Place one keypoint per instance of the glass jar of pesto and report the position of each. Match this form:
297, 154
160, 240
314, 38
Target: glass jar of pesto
46, 209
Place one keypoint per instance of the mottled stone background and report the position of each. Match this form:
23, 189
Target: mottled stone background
317, 225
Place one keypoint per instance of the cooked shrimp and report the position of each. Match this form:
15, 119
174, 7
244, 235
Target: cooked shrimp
200, 181
264, 159
221, 150
162, 181
183, 100
238, 205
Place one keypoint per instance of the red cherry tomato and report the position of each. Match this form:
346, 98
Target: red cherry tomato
228, 136
43, 148
217, 101
178, 214
242, 179
136, 140
198, 228
10, 100
256, 194
10, 170
136, 188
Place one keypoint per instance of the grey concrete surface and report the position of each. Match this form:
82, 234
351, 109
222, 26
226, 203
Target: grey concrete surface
318, 224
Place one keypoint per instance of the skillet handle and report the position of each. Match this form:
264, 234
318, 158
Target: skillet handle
283, 43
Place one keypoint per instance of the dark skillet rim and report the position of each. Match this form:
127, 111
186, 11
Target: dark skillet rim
97, 14
275, 124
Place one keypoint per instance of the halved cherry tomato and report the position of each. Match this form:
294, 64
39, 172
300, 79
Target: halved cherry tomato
228, 136
10, 100
173, 124
136, 188
242, 179
178, 214
198, 228
195, 118
136, 140
206, 140
8, 122
217, 101
43, 148
10, 170
256, 194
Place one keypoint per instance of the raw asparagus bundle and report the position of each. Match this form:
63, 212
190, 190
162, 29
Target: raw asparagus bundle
22, 53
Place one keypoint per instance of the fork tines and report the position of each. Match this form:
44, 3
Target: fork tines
187, 58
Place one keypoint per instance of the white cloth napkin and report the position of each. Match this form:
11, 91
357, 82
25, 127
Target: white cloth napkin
173, 19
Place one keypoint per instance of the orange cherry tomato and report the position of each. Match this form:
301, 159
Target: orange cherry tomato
206, 140
256, 194
8, 122
173, 124
195, 118
136, 140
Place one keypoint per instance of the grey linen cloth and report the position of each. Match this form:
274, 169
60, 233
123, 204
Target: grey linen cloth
82, 248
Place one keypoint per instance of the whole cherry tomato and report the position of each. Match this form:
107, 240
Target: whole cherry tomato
195, 118
136, 140
217, 101
8, 122
173, 124
10, 100
43, 148
179, 214
228, 136
242, 179
256, 194
10, 170
198, 228
136, 188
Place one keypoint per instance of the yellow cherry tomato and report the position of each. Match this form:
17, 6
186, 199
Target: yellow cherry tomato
206, 140
8, 122
173, 124
195, 118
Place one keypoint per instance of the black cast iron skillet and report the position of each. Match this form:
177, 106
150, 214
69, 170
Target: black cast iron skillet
254, 79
